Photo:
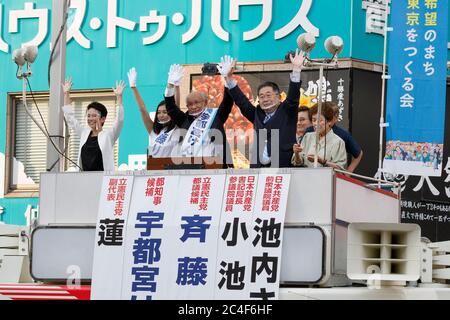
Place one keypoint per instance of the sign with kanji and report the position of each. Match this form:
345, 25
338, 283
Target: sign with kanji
251, 231
235, 243
417, 87
194, 236
267, 235
110, 237
146, 259
205, 236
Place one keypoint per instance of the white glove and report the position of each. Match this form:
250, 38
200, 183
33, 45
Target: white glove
176, 74
132, 77
226, 64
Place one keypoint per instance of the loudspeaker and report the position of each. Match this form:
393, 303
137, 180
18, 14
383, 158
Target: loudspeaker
383, 251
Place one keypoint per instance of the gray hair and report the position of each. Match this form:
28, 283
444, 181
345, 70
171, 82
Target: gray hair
203, 95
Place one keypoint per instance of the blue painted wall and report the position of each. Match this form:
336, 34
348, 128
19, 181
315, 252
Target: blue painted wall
14, 210
364, 46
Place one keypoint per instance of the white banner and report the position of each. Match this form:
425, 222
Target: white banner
194, 240
147, 246
190, 237
267, 235
233, 271
110, 237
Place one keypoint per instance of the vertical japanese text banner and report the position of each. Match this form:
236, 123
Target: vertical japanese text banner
110, 234
147, 244
267, 235
193, 241
232, 270
417, 88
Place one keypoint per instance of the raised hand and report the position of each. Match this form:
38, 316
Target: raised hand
67, 85
118, 89
176, 74
297, 60
226, 66
132, 77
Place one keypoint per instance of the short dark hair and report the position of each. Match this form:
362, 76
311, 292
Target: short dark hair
273, 85
327, 111
99, 107
157, 127
303, 109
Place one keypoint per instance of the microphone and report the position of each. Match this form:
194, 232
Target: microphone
334, 45
306, 42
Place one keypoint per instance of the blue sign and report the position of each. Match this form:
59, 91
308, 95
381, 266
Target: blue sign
416, 91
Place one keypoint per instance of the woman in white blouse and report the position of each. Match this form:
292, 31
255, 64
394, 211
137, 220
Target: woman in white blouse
164, 135
96, 144
331, 149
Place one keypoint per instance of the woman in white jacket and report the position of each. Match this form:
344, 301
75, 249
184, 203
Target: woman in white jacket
164, 135
96, 145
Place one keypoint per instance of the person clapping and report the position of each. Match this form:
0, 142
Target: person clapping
331, 149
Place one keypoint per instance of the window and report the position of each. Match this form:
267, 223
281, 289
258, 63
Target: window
27, 146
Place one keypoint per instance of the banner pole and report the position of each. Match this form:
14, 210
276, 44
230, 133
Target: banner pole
319, 113
384, 77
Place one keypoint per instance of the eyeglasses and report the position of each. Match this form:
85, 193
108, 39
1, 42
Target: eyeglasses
266, 96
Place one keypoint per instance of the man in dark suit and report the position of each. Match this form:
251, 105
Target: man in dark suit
210, 142
275, 122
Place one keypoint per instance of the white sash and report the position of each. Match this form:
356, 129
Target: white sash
160, 146
196, 142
